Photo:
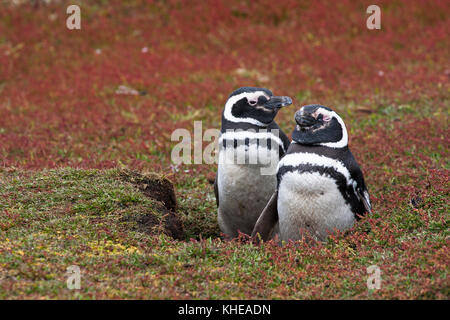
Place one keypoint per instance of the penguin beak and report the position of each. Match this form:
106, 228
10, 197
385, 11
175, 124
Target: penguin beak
278, 102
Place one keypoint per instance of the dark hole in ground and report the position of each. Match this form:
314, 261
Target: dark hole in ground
160, 189
153, 186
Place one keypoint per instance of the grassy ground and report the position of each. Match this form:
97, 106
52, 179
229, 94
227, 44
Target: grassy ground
59, 111
53, 219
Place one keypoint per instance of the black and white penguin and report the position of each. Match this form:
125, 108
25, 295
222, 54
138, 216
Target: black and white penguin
320, 185
250, 146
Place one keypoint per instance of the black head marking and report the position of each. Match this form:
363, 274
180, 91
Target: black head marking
319, 125
254, 105
250, 89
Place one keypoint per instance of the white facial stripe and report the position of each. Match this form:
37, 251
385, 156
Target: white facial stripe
325, 114
242, 135
296, 159
344, 140
250, 96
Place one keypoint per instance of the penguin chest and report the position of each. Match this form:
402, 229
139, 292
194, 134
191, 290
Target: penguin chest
310, 204
244, 190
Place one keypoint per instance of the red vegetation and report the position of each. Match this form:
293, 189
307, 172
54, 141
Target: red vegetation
57, 100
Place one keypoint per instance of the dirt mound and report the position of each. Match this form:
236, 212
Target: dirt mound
160, 189
153, 186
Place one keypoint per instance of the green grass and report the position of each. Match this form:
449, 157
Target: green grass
53, 219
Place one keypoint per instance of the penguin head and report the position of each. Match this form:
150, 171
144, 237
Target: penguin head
319, 125
257, 106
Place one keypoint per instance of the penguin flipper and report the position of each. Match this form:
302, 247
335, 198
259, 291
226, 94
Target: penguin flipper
267, 220
361, 191
364, 197
216, 191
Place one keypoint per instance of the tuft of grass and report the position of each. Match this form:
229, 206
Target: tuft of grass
198, 208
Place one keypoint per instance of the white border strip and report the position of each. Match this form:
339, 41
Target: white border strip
344, 140
242, 135
230, 103
296, 159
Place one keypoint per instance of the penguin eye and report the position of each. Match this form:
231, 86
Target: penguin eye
324, 117
252, 102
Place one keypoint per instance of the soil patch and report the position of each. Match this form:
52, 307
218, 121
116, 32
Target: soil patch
160, 189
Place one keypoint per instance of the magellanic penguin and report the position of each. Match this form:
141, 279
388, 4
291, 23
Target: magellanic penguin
250, 144
320, 185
